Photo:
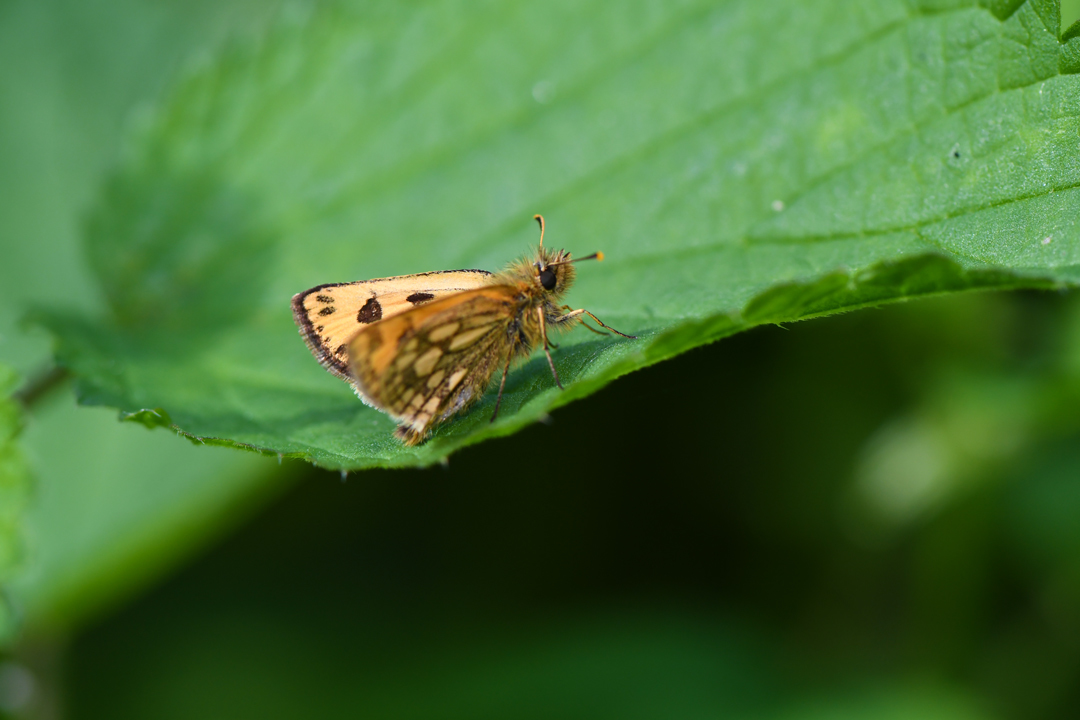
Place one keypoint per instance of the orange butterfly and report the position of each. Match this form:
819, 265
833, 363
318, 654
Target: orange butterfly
424, 347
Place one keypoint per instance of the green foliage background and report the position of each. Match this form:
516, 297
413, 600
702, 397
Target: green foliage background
868, 516
14, 492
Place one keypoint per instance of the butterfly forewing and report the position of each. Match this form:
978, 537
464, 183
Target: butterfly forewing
330, 315
427, 363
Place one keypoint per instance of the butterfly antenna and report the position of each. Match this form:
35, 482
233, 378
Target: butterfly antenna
540, 219
594, 256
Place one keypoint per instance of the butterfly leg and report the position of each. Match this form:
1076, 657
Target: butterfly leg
543, 334
567, 308
590, 328
577, 313
502, 383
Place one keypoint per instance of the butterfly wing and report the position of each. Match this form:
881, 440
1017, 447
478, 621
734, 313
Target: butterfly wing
330, 315
423, 365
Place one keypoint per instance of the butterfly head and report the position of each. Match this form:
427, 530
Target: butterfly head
554, 269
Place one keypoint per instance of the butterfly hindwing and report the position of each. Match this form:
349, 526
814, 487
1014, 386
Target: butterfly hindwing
330, 315
426, 364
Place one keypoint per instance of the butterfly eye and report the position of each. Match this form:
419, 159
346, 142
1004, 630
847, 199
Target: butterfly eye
547, 278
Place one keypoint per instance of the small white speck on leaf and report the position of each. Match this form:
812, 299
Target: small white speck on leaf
778, 205
1046, 240
543, 92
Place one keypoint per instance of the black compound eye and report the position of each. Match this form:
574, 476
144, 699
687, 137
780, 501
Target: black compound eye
547, 278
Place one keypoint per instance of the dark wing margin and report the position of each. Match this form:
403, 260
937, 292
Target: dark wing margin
338, 366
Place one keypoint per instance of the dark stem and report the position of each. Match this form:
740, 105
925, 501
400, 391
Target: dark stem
39, 386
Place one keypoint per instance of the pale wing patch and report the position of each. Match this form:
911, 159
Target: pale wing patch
443, 331
426, 362
466, 338
330, 315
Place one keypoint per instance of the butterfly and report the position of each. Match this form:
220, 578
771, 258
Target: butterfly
424, 347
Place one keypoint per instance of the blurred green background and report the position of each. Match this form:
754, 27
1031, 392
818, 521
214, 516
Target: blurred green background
877, 515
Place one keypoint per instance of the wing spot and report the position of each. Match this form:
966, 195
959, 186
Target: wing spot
435, 379
432, 405
328, 311
324, 299
405, 360
340, 350
371, 312
420, 297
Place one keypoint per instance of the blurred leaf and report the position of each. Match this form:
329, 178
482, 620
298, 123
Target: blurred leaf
630, 663
896, 701
1070, 16
147, 502
14, 495
975, 424
113, 506
638, 665
72, 76
740, 163
1041, 511
969, 428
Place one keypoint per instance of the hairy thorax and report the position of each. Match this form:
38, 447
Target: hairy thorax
524, 330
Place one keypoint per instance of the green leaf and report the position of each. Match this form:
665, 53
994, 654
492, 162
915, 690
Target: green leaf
118, 507
1070, 18
636, 663
739, 163
113, 507
14, 496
